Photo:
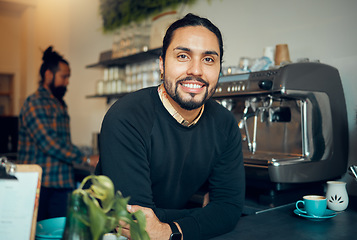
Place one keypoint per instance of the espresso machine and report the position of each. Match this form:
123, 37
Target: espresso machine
293, 122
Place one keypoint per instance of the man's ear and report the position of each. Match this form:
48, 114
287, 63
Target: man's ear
48, 77
161, 65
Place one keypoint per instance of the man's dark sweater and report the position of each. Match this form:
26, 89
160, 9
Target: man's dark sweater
160, 164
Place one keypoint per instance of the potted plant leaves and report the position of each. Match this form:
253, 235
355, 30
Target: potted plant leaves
95, 209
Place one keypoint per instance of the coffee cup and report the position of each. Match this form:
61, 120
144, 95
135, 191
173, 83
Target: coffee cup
282, 55
314, 205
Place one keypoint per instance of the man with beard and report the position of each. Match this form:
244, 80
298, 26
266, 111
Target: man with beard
160, 145
44, 137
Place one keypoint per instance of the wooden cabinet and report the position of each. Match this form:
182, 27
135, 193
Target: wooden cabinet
126, 74
8, 122
6, 94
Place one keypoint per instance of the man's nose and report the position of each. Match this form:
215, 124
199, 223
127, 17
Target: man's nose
195, 68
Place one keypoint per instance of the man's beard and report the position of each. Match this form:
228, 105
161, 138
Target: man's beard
58, 92
187, 104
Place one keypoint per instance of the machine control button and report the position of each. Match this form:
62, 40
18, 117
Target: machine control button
265, 84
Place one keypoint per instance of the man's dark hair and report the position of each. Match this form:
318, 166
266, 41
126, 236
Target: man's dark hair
51, 59
191, 20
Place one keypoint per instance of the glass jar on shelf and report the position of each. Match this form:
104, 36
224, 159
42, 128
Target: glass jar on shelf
139, 80
100, 87
128, 82
106, 74
123, 86
111, 73
115, 72
113, 86
145, 78
118, 86
133, 82
121, 73
127, 70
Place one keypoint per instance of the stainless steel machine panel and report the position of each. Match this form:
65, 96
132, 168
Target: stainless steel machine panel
293, 122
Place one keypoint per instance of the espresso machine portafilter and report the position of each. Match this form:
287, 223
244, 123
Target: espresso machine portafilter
293, 122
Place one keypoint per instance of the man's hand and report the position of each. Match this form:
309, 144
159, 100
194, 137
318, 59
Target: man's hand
205, 199
93, 160
157, 230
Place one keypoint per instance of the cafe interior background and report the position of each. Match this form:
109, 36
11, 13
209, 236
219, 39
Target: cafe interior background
321, 30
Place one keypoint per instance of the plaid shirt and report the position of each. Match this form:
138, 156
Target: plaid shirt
44, 139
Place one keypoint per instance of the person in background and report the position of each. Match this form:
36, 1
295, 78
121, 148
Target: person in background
160, 145
44, 136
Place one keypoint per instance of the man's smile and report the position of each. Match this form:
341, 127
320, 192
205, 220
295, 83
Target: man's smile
192, 85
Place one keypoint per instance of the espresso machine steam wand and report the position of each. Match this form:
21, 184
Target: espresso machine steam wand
252, 103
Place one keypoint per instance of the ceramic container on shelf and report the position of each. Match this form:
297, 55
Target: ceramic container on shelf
336, 194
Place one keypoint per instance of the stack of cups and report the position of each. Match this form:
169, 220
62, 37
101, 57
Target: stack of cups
282, 56
269, 52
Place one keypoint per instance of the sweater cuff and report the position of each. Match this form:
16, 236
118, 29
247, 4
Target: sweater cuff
190, 228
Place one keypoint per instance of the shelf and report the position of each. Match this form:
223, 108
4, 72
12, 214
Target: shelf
105, 61
139, 57
114, 95
109, 96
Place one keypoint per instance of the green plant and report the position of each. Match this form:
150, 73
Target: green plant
116, 13
105, 209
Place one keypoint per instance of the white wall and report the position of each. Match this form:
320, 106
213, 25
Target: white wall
11, 23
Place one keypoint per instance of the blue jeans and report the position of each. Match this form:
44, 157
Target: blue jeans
53, 202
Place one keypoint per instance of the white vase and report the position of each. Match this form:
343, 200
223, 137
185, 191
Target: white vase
336, 194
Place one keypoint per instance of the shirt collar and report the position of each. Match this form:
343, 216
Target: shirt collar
48, 93
165, 101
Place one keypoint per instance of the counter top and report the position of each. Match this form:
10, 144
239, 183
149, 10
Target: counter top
281, 223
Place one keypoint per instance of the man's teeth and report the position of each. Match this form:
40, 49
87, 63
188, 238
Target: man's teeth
191, 85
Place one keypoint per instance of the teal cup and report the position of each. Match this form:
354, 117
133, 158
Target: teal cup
313, 205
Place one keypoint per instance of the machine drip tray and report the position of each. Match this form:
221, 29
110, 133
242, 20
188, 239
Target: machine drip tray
266, 158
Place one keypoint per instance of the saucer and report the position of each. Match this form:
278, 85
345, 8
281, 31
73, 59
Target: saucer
328, 214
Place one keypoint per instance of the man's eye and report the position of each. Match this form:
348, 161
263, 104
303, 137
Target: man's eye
209, 59
182, 56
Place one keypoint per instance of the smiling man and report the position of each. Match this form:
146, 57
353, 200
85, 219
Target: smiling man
160, 145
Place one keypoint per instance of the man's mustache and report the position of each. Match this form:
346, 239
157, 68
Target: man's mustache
188, 78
